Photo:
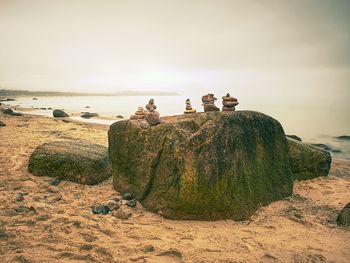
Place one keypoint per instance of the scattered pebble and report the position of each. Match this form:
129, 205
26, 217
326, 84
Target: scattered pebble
131, 203
100, 209
55, 182
19, 197
120, 214
128, 196
24, 209
148, 248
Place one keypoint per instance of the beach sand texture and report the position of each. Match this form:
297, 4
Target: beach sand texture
62, 228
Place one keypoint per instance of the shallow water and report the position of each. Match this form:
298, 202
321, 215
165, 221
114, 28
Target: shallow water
313, 123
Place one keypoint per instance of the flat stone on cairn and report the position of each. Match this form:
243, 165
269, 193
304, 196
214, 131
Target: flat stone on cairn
139, 114
208, 101
189, 108
229, 103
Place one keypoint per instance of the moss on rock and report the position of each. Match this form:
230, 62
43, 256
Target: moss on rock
204, 166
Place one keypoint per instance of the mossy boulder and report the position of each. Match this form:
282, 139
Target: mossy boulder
205, 166
78, 162
308, 162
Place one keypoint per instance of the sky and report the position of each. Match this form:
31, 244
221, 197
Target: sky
260, 47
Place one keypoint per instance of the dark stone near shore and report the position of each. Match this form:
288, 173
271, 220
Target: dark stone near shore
294, 137
59, 114
204, 166
16, 114
120, 116
344, 216
308, 162
88, 115
321, 146
78, 162
8, 111
2, 124
344, 137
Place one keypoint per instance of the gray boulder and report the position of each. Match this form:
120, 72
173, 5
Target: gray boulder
78, 162
59, 114
308, 162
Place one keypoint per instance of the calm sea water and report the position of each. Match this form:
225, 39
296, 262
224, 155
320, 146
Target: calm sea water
312, 122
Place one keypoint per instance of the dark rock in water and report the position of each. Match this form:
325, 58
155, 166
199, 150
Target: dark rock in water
43, 108
35, 98
8, 111
344, 137
19, 197
88, 115
87, 107
59, 114
308, 162
321, 146
2, 124
344, 216
152, 119
120, 116
336, 151
100, 209
49, 108
128, 196
55, 182
16, 114
205, 166
294, 137
131, 203
78, 162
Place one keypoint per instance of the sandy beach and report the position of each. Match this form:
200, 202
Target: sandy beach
62, 228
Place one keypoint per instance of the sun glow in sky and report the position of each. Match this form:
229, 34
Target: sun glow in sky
184, 46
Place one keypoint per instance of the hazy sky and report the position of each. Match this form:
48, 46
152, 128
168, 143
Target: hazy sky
178, 45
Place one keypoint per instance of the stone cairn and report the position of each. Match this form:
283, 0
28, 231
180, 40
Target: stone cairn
189, 108
229, 103
139, 114
152, 116
208, 102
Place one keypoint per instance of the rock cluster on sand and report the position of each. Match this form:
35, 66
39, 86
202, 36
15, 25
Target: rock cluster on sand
344, 216
202, 166
229, 103
208, 102
189, 108
59, 114
78, 162
308, 162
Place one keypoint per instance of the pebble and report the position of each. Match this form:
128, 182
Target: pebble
120, 214
55, 181
24, 209
128, 196
148, 248
112, 204
100, 209
19, 197
131, 203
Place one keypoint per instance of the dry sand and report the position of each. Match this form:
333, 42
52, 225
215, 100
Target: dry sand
62, 228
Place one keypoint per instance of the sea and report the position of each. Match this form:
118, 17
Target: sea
315, 123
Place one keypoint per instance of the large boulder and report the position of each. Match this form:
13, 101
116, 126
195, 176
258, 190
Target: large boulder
204, 166
59, 114
308, 162
78, 162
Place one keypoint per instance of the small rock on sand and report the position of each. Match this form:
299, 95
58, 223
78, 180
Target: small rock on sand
59, 114
19, 197
2, 124
55, 181
344, 216
120, 214
100, 209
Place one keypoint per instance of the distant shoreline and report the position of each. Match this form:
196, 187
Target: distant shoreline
27, 93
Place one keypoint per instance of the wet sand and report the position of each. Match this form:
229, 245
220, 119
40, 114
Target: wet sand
62, 227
